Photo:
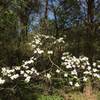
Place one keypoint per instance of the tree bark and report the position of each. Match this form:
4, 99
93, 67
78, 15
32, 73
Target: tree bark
90, 30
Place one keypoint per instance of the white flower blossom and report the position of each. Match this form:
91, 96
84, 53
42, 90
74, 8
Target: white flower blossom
66, 53
82, 66
40, 51
75, 77
74, 72
87, 72
95, 70
37, 41
37, 73
73, 66
25, 75
87, 63
32, 69
64, 63
21, 72
71, 83
27, 79
63, 58
2, 81
68, 66
3, 69
60, 40
48, 76
77, 85
65, 75
94, 64
14, 76
96, 75
9, 75
50, 52
98, 66
33, 46
85, 79
89, 67
26, 67
8, 71
17, 68
57, 71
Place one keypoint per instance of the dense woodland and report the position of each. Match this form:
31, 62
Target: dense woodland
49, 35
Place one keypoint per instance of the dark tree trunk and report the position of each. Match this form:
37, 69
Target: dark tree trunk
46, 9
55, 16
46, 15
89, 49
90, 10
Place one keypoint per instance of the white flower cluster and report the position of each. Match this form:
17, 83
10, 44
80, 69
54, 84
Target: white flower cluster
96, 70
37, 44
60, 40
50, 52
79, 69
22, 72
2, 81
48, 75
39, 39
25, 71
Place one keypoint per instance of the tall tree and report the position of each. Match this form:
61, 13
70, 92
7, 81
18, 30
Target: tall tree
90, 29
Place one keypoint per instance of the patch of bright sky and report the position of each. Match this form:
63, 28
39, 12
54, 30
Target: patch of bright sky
35, 21
50, 15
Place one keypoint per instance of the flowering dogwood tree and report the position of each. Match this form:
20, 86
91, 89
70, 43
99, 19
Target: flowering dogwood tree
74, 71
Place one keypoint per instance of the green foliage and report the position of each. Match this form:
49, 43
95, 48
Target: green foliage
98, 96
54, 97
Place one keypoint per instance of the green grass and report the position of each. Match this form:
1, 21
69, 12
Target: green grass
98, 96
77, 96
54, 97
74, 96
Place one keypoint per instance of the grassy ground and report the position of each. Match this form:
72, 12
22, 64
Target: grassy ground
42, 97
70, 96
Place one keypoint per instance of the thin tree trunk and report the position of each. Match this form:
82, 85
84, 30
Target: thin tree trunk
46, 9
90, 30
55, 16
46, 15
89, 48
